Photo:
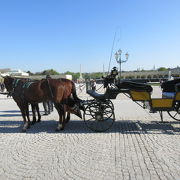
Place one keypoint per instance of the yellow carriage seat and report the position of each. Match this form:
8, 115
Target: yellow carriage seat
140, 95
162, 103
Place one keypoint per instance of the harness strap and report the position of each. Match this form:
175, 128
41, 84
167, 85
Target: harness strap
50, 89
14, 85
15, 82
27, 84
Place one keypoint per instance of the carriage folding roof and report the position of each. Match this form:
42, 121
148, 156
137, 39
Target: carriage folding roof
135, 86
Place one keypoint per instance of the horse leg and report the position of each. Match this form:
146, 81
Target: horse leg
60, 110
63, 120
37, 110
34, 113
24, 119
23, 113
27, 115
67, 117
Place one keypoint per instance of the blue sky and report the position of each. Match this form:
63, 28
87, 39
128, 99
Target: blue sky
62, 34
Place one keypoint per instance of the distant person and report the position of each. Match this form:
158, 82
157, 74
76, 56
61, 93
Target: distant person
161, 81
93, 86
80, 87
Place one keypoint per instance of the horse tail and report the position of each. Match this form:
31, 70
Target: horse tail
80, 101
74, 92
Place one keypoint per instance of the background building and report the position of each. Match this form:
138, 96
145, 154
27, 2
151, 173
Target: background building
9, 72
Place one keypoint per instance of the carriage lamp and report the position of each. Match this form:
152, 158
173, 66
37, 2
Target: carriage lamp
120, 61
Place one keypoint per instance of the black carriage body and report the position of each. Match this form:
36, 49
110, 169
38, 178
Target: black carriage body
101, 110
134, 86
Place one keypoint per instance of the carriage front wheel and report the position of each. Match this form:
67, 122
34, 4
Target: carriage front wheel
99, 115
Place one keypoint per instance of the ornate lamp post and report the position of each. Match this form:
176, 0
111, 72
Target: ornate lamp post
120, 61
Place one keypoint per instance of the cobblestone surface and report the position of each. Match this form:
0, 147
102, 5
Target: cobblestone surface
136, 147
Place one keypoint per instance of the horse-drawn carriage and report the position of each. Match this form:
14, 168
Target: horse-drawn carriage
99, 112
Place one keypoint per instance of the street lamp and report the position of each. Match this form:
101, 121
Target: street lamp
120, 61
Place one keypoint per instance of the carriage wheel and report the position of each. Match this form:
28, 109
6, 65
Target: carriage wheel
176, 113
99, 115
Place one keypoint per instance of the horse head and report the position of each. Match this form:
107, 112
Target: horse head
8, 82
73, 107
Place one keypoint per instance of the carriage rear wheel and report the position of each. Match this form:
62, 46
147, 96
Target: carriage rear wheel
176, 113
99, 115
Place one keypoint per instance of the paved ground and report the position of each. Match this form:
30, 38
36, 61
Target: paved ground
136, 147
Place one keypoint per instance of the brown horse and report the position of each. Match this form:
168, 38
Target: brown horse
14, 87
63, 93
58, 91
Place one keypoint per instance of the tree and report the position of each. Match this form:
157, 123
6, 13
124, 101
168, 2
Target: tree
162, 69
75, 76
30, 73
50, 72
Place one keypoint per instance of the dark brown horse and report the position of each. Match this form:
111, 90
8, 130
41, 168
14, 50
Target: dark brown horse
15, 88
58, 91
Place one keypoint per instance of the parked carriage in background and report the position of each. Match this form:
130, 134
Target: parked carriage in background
99, 112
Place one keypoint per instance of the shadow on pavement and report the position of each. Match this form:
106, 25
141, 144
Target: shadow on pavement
151, 127
78, 126
9, 115
13, 113
10, 111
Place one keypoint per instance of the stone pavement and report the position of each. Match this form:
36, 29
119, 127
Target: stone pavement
137, 147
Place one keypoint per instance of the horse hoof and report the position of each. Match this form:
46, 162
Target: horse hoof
59, 129
39, 120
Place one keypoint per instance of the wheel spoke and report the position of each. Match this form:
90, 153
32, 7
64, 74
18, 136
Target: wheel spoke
175, 114
87, 113
107, 111
90, 120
